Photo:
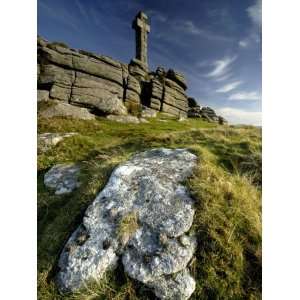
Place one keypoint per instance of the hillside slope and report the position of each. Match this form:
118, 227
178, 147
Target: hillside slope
226, 187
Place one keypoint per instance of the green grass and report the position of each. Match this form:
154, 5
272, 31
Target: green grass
226, 186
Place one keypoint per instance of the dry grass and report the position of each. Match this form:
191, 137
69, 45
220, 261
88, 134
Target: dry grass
127, 226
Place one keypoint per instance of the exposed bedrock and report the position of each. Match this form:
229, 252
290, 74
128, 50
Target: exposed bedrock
142, 219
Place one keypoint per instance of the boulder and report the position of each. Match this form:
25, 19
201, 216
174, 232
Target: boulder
194, 112
143, 216
42, 95
62, 109
209, 114
148, 112
62, 178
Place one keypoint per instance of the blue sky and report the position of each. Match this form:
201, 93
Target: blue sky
215, 43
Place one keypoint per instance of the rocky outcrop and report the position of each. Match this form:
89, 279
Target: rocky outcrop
206, 113
167, 93
62, 178
80, 77
109, 87
143, 217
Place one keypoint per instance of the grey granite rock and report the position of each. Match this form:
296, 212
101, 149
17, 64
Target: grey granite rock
62, 178
62, 109
148, 186
148, 112
48, 140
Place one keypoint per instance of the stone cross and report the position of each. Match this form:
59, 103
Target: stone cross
142, 28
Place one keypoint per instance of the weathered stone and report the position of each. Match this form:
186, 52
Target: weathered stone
148, 112
51, 74
132, 96
160, 72
157, 89
61, 92
42, 95
62, 109
133, 84
48, 140
209, 114
177, 77
62, 178
99, 93
155, 104
174, 86
194, 112
41, 42
98, 68
173, 110
94, 66
156, 248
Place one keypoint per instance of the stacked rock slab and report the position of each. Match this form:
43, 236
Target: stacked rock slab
80, 78
156, 247
206, 113
168, 93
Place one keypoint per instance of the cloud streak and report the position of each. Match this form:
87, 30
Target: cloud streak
245, 96
189, 27
221, 68
254, 12
229, 87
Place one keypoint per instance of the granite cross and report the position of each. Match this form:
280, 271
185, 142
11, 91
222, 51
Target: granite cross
142, 28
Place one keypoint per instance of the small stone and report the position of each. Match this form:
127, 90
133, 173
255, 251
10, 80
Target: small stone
48, 140
63, 178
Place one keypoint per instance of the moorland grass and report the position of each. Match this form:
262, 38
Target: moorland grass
226, 186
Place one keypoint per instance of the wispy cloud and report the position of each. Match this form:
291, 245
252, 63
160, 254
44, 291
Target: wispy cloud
254, 12
244, 43
246, 96
82, 11
229, 87
190, 27
221, 68
60, 15
239, 116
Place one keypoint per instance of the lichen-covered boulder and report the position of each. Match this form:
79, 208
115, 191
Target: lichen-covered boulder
143, 215
63, 178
